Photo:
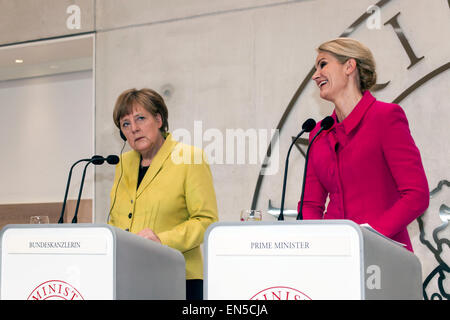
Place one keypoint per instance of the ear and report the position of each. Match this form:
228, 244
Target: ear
350, 66
158, 118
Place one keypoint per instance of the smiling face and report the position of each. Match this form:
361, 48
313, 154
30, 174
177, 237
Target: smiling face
141, 129
331, 76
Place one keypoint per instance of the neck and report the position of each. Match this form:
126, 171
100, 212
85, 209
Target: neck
346, 102
148, 155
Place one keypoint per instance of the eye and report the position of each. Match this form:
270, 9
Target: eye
140, 118
322, 64
125, 124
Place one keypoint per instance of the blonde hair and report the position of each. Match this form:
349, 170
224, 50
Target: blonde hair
344, 49
147, 98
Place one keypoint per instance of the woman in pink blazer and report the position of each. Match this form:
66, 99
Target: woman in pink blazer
367, 163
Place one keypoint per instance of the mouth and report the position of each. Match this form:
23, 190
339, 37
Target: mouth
137, 139
322, 83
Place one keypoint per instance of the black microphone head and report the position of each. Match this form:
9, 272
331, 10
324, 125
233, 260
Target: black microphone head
308, 125
327, 123
112, 159
97, 160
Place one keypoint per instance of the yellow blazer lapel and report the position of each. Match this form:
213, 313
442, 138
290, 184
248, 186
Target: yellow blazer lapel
131, 161
157, 163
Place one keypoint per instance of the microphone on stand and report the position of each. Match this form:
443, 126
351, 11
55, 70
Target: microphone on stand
97, 160
61, 217
307, 126
325, 124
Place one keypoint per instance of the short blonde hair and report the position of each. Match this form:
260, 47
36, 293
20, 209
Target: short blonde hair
147, 98
344, 49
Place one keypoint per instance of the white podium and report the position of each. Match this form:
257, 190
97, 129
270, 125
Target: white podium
86, 261
306, 260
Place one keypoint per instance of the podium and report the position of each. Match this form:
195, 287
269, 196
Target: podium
306, 260
86, 262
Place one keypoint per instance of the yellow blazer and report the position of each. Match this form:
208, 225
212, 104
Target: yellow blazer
176, 200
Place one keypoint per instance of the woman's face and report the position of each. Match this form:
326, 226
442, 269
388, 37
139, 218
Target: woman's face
141, 129
330, 76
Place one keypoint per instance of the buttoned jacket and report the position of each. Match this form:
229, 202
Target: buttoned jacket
175, 199
371, 170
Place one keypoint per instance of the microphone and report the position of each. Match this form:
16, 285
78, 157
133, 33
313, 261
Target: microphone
307, 126
61, 217
97, 160
325, 124
112, 159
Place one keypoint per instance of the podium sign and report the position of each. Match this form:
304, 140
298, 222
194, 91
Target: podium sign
86, 261
305, 260
41, 263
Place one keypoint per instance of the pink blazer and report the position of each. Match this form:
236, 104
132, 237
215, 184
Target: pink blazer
370, 168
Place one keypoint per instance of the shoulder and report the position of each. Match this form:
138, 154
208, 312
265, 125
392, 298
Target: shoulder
386, 109
191, 162
185, 154
187, 148
386, 116
129, 156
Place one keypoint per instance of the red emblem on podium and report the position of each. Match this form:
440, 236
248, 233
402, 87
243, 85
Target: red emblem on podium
280, 293
55, 290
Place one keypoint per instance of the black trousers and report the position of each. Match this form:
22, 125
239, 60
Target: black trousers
194, 289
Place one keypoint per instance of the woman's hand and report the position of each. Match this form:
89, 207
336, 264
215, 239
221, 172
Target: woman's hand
149, 234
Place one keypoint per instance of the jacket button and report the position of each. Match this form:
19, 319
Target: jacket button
130, 215
127, 229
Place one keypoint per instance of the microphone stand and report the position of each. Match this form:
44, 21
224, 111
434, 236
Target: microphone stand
61, 217
326, 124
96, 160
286, 165
307, 126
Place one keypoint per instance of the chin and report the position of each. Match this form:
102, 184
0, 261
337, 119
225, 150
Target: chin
324, 96
141, 147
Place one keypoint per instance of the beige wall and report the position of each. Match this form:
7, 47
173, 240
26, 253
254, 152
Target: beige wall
238, 67
27, 20
46, 125
237, 64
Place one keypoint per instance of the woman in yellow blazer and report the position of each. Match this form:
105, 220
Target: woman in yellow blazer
163, 190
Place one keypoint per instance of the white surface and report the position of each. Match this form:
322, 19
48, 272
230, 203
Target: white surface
325, 264
85, 264
46, 125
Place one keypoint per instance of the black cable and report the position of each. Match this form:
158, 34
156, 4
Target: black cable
118, 182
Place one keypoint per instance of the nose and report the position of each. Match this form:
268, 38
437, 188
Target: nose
133, 126
315, 75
